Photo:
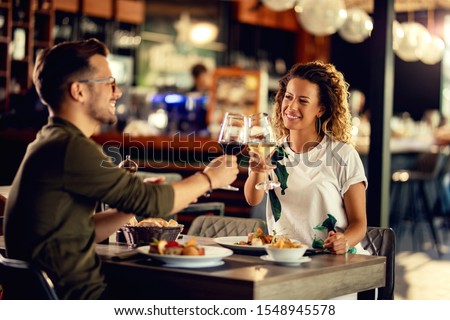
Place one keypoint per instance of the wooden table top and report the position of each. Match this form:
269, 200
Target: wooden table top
242, 276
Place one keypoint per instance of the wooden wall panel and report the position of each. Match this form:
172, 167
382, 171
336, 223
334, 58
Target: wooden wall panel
99, 8
130, 11
67, 5
249, 12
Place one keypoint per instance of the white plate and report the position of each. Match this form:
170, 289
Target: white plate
231, 243
286, 262
213, 257
197, 265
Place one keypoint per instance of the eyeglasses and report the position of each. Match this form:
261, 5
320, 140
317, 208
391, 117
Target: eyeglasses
110, 80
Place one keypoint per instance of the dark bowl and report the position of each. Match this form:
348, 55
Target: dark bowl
137, 236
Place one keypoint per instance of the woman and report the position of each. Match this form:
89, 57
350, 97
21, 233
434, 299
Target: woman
321, 200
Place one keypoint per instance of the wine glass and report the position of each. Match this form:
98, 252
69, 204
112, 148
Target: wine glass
129, 165
262, 141
233, 136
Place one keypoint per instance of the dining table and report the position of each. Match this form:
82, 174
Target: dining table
244, 275
131, 274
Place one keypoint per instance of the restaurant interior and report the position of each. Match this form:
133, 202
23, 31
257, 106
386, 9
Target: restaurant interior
395, 55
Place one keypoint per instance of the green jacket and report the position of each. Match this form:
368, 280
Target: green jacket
48, 219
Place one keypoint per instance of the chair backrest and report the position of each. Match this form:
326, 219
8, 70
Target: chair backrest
188, 214
433, 163
381, 242
2, 210
21, 280
170, 177
216, 226
207, 208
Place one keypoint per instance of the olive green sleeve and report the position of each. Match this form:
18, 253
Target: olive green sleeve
91, 173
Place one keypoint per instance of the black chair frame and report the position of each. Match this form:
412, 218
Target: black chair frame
21, 280
381, 241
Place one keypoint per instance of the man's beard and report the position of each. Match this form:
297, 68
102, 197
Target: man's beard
102, 115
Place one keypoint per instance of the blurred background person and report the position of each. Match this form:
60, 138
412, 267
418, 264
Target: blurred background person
201, 78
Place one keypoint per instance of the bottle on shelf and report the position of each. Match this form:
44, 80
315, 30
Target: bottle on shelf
19, 44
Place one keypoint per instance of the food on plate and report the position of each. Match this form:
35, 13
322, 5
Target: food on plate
257, 238
153, 222
284, 243
174, 248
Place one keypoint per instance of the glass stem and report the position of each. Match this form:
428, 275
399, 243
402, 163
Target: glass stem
266, 173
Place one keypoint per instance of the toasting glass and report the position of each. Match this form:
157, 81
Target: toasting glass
129, 165
262, 141
233, 136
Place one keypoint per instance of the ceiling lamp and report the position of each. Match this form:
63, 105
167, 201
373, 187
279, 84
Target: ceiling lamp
397, 34
321, 17
279, 5
434, 50
414, 42
357, 27
203, 32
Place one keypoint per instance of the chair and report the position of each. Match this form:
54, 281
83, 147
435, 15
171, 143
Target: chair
21, 280
381, 242
188, 214
2, 210
170, 177
415, 195
216, 226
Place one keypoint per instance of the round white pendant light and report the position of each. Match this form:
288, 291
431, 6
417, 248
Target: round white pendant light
434, 51
413, 44
279, 5
357, 27
321, 17
397, 34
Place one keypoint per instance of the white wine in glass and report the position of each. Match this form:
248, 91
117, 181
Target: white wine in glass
263, 142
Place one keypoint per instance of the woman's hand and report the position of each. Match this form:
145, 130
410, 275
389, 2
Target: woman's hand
258, 165
336, 243
155, 180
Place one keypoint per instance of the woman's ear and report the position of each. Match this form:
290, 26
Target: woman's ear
321, 112
76, 91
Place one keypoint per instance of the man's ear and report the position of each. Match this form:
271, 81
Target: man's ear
77, 91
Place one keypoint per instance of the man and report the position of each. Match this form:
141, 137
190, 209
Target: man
49, 217
201, 78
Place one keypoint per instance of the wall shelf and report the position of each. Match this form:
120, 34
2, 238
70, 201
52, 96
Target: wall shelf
36, 19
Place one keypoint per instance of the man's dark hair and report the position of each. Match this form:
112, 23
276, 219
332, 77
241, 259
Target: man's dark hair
198, 69
57, 67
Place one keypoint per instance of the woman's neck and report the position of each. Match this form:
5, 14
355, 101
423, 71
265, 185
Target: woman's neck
301, 143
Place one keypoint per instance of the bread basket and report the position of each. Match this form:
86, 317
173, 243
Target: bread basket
136, 236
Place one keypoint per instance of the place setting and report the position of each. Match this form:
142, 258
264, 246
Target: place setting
184, 254
286, 252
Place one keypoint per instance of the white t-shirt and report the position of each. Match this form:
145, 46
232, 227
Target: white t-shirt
310, 201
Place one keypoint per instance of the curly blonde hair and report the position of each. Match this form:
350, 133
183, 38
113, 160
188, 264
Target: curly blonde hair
333, 95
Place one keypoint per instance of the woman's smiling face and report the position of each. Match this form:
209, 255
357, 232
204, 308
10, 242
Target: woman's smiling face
301, 105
